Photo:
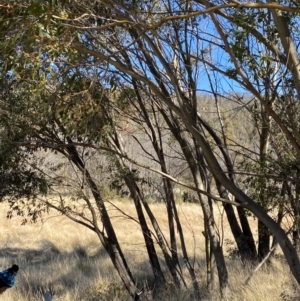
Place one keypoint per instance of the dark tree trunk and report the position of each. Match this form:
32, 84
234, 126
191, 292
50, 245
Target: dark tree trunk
161, 241
263, 241
247, 237
135, 194
246, 250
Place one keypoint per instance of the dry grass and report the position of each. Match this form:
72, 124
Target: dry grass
68, 259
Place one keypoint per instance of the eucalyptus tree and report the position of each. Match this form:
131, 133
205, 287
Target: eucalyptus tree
145, 31
159, 45
65, 113
165, 61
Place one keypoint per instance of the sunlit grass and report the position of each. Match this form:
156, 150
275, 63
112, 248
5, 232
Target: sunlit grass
67, 259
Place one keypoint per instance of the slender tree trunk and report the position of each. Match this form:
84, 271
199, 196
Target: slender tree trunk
183, 247
161, 241
208, 216
208, 256
243, 242
263, 231
157, 145
246, 236
136, 196
288, 44
110, 242
296, 210
172, 261
264, 240
170, 199
134, 191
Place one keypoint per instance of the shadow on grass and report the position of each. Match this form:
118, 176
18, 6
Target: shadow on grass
47, 267
85, 276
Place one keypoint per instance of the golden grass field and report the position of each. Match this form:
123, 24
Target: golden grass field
66, 258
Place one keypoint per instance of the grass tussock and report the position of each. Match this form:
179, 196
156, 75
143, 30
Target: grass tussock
68, 260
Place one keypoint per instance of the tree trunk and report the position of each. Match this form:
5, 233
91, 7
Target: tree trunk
157, 145
208, 215
264, 240
134, 191
161, 241
288, 44
263, 232
110, 243
247, 237
136, 196
295, 203
243, 242
182, 241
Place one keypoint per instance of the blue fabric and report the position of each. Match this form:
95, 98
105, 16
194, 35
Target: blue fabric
8, 277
